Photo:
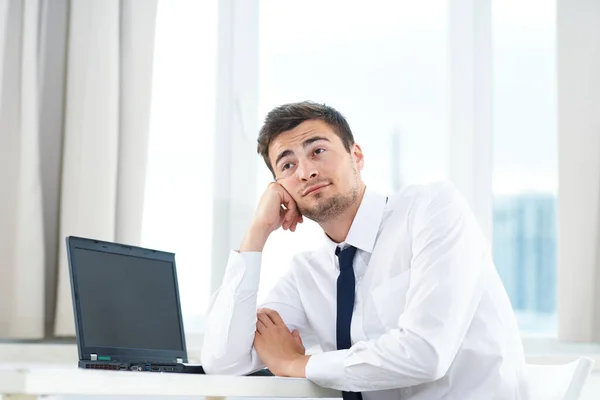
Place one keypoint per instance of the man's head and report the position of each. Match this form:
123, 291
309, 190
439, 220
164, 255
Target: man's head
310, 150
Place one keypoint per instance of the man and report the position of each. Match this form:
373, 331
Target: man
403, 298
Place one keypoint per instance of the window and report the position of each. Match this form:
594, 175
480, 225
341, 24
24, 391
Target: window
381, 64
525, 175
384, 66
178, 202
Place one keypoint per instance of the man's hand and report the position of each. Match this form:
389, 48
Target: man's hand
281, 351
276, 209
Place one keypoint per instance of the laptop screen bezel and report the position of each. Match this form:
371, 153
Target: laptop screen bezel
120, 353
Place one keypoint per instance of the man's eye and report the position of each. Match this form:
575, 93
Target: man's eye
286, 166
319, 150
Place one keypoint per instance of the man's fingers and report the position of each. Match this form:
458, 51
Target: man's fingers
264, 318
273, 316
294, 224
283, 216
296, 336
287, 200
292, 218
289, 211
260, 326
289, 203
289, 217
258, 338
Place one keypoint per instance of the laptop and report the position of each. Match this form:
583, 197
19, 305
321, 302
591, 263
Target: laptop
127, 308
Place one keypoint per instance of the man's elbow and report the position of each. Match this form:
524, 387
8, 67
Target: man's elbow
215, 367
433, 365
436, 369
220, 366
435, 372
227, 365
212, 366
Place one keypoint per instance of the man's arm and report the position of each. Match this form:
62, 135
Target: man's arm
231, 322
449, 255
231, 319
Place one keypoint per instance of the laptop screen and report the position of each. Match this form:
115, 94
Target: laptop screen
127, 301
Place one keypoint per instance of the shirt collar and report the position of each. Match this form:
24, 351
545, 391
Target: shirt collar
365, 226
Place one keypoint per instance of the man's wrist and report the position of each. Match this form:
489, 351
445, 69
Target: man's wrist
254, 240
297, 368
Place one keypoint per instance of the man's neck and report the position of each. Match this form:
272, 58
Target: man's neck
337, 228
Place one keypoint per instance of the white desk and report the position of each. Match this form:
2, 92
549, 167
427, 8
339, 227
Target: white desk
27, 381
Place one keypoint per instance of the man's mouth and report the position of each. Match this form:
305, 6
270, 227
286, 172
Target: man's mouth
315, 188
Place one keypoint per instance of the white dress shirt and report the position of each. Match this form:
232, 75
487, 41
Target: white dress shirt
431, 317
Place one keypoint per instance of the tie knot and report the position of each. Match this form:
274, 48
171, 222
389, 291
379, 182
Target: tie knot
345, 256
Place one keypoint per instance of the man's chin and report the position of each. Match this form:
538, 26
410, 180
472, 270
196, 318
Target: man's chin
319, 212
313, 203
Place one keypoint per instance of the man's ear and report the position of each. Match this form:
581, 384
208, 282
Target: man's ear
358, 156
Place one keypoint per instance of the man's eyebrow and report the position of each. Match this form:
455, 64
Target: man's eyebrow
313, 139
305, 144
284, 153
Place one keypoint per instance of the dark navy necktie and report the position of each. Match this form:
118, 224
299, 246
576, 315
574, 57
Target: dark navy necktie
345, 305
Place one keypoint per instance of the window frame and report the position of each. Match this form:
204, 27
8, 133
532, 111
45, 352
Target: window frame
236, 124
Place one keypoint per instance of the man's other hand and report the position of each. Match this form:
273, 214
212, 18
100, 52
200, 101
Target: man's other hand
282, 351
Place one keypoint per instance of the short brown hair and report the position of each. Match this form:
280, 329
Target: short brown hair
288, 116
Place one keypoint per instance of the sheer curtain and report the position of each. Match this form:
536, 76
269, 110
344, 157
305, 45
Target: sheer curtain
177, 212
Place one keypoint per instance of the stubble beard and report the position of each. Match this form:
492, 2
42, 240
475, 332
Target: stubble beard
330, 208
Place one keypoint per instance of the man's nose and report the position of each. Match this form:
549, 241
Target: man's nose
307, 170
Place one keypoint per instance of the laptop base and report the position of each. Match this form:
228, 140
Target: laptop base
137, 366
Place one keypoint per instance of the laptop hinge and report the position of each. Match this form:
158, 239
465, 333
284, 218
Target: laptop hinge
179, 360
94, 357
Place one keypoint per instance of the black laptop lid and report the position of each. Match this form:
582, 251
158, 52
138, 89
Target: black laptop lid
126, 302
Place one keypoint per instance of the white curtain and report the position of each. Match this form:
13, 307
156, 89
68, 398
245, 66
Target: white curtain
21, 229
578, 49
74, 113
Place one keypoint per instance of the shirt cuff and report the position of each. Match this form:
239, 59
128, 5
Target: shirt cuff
327, 369
244, 270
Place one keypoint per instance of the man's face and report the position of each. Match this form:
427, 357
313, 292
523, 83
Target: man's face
312, 164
